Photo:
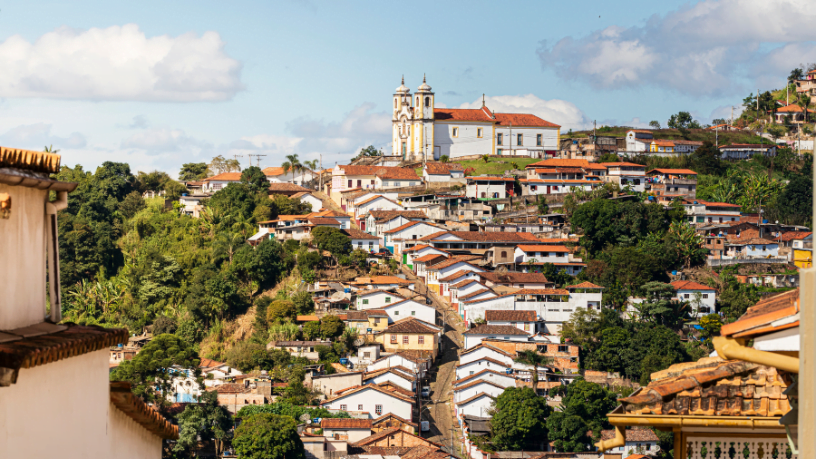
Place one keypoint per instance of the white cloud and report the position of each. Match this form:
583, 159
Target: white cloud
36, 136
557, 111
712, 47
118, 63
156, 141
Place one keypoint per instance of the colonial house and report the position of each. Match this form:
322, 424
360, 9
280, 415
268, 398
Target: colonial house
351, 430
353, 200
489, 187
439, 271
348, 177
641, 442
368, 321
702, 297
515, 279
480, 365
523, 320
377, 299
371, 399
344, 219
466, 287
215, 373
379, 283
627, 174
362, 240
736, 151
220, 181
477, 405
419, 251
379, 221
328, 385
309, 198
410, 334
443, 172
474, 336
299, 348
390, 421
55, 390
399, 376
472, 389
485, 350
377, 202
298, 177
413, 363
407, 235
396, 177
475, 242
559, 176
410, 308
286, 189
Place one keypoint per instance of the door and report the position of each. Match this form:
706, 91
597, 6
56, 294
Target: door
548, 189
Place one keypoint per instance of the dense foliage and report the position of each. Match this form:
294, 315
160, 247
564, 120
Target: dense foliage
583, 410
519, 421
268, 436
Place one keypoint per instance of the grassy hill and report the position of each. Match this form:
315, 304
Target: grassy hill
674, 134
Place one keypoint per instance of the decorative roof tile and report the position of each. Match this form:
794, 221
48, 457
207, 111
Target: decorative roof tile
510, 316
34, 161
339, 423
124, 400
495, 330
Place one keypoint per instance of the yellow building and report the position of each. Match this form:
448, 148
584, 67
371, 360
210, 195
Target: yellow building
803, 258
410, 334
661, 146
368, 321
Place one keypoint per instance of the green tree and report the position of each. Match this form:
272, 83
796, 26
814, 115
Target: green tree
798, 199
268, 436
654, 124
219, 165
535, 360
281, 309
444, 158
255, 178
687, 243
706, 160
152, 370
519, 421
247, 356
173, 190
331, 327
583, 408
132, 204
303, 302
191, 172
332, 240
311, 330
292, 164
683, 120
367, 152
205, 420
796, 74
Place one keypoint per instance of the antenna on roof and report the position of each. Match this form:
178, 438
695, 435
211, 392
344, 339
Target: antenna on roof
483, 100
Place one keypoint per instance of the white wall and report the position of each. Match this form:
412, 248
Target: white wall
479, 407
464, 394
710, 301
63, 409
377, 300
475, 340
369, 399
22, 256
471, 368
503, 379
466, 142
316, 203
366, 244
485, 352
493, 190
544, 254
393, 378
411, 308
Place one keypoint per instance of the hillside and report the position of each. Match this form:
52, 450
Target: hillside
674, 134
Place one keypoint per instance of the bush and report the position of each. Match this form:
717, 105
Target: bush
268, 436
280, 309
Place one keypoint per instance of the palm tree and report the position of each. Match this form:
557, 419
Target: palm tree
50, 149
535, 360
312, 166
292, 164
486, 158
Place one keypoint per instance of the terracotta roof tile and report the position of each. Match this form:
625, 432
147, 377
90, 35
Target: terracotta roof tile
475, 397
673, 171
339, 423
392, 415
35, 161
689, 285
712, 387
793, 235
478, 375
410, 325
429, 257
225, 177
469, 296
435, 168
323, 221
543, 248
380, 171
559, 163
406, 226
489, 236
124, 400
450, 262
51, 346
584, 285
495, 330
759, 317
510, 316
285, 186
515, 278
633, 434
355, 233
386, 215
273, 171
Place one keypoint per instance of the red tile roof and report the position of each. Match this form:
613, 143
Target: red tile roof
224, 177
338, 423
559, 163
323, 221
760, 317
375, 170
273, 171
134, 407
379, 196
495, 330
793, 235
543, 248
285, 186
489, 236
410, 325
386, 215
520, 119
354, 233
429, 257
623, 164
491, 179
406, 226
584, 285
673, 171
633, 434
515, 278
475, 294
510, 316
689, 285
435, 168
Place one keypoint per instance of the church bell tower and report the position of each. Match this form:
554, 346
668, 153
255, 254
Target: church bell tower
424, 122
402, 122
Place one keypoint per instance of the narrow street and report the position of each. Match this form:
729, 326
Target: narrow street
439, 410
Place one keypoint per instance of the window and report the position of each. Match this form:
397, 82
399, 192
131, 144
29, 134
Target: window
455, 132
366, 355
538, 140
479, 132
563, 348
427, 101
396, 313
413, 313
417, 101
395, 103
378, 409
370, 246
504, 254
365, 301
421, 339
344, 407
686, 295
404, 148
350, 185
359, 407
405, 339
393, 339
519, 139
388, 299
359, 183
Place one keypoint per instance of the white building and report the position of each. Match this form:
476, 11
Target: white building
475, 335
298, 177
398, 376
362, 240
55, 391
414, 366
372, 399
472, 367
627, 174
443, 172
350, 430
377, 299
395, 238
220, 181
523, 320
638, 441
489, 187
477, 405
420, 131
410, 308
693, 292
309, 198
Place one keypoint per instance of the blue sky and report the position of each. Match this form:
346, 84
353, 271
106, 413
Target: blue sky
158, 84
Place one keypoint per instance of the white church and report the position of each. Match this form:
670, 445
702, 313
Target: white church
421, 131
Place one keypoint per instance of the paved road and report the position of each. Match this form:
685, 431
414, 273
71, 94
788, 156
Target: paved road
439, 411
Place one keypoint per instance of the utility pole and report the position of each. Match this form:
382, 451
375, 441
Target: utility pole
257, 158
321, 172
731, 123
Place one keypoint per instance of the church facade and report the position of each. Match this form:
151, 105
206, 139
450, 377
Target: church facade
422, 132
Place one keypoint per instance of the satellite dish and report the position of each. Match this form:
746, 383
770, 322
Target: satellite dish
337, 296
305, 417
359, 342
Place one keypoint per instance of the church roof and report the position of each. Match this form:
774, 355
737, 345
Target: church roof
484, 115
